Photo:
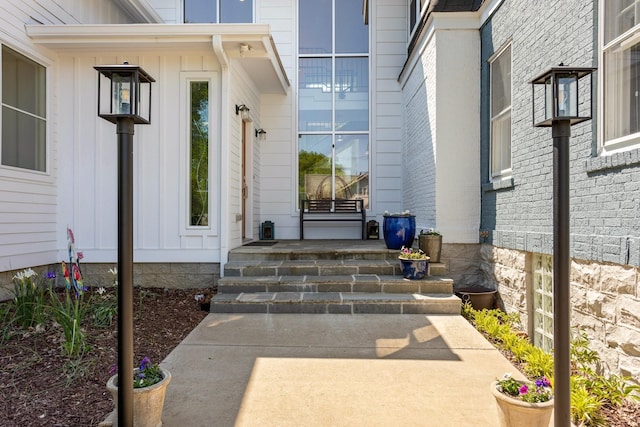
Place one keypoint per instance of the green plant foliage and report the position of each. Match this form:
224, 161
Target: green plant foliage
69, 314
29, 302
590, 390
538, 363
585, 407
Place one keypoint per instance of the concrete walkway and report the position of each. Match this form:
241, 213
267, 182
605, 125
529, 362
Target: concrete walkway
333, 370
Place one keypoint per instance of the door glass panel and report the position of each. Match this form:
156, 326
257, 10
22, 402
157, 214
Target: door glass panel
352, 167
314, 167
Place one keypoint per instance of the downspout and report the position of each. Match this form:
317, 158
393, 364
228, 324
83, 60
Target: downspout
224, 150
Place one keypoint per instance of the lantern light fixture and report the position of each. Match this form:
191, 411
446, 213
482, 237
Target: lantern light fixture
124, 91
562, 87
242, 111
261, 134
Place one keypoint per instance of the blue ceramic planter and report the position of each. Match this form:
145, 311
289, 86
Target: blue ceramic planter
414, 269
399, 230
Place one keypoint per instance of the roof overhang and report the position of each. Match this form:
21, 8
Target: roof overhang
258, 56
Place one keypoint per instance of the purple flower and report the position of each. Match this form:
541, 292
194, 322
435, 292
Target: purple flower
543, 382
523, 389
113, 370
51, 275
144, 362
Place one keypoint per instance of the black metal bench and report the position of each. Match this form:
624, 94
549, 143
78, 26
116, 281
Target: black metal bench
333, 210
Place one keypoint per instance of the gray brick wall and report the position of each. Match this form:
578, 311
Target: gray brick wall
605, 191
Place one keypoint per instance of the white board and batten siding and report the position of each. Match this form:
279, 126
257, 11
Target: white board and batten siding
161, 165
30, 231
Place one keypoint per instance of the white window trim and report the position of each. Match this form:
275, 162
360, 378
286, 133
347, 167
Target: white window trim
504, 173
186, 77
627, 142
23, 174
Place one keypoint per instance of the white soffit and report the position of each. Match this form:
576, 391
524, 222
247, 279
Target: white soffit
260, 58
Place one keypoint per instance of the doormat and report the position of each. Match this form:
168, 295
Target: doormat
262, 243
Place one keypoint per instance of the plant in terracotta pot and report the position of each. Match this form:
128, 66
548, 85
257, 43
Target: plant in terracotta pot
414, 263
523, 403
430, 241
150, 383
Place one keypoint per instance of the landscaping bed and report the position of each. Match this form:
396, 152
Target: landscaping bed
40, 386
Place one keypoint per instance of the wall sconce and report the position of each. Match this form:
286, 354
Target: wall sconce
243, 111
261, 134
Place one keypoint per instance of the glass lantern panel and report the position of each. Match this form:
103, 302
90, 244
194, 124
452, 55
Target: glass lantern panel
567, 95
548, 99
121, 92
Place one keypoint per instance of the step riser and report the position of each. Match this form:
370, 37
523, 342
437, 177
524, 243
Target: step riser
387, 269
241, 254
366, 308
445, 306
415, 286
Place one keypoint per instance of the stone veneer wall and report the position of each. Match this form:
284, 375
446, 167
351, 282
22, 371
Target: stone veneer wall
605, 298
462, 264
146, 275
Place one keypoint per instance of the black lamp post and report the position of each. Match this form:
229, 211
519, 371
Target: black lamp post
562, 109
124, 98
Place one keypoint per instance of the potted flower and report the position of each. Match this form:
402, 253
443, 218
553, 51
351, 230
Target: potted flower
430, 241
150, 383
523, 403
414, 263
399, 229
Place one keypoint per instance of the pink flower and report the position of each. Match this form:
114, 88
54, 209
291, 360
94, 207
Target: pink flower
80, 256
524, 389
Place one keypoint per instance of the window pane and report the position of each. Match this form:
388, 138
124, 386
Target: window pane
23, 83
412, 15
621, 16
200, 11
314, 20
501, 144
236, 11
23, 112
314, 167
199, 166
23, 140
352, 36
501, 82
622, 87
314, 94
352, 167
352, 94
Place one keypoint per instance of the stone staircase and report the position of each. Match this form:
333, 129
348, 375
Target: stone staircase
338, 277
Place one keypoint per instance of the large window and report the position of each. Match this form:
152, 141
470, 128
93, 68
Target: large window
218, 11
501, 113
199, 153
24, 120
621, 74
333, 101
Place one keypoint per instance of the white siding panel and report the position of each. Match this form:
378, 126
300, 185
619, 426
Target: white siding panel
89, 175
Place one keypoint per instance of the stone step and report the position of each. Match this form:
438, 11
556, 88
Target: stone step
369, 283
319, 267
336, 303
305, 252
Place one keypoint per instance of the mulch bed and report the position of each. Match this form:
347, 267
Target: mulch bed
39, 386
